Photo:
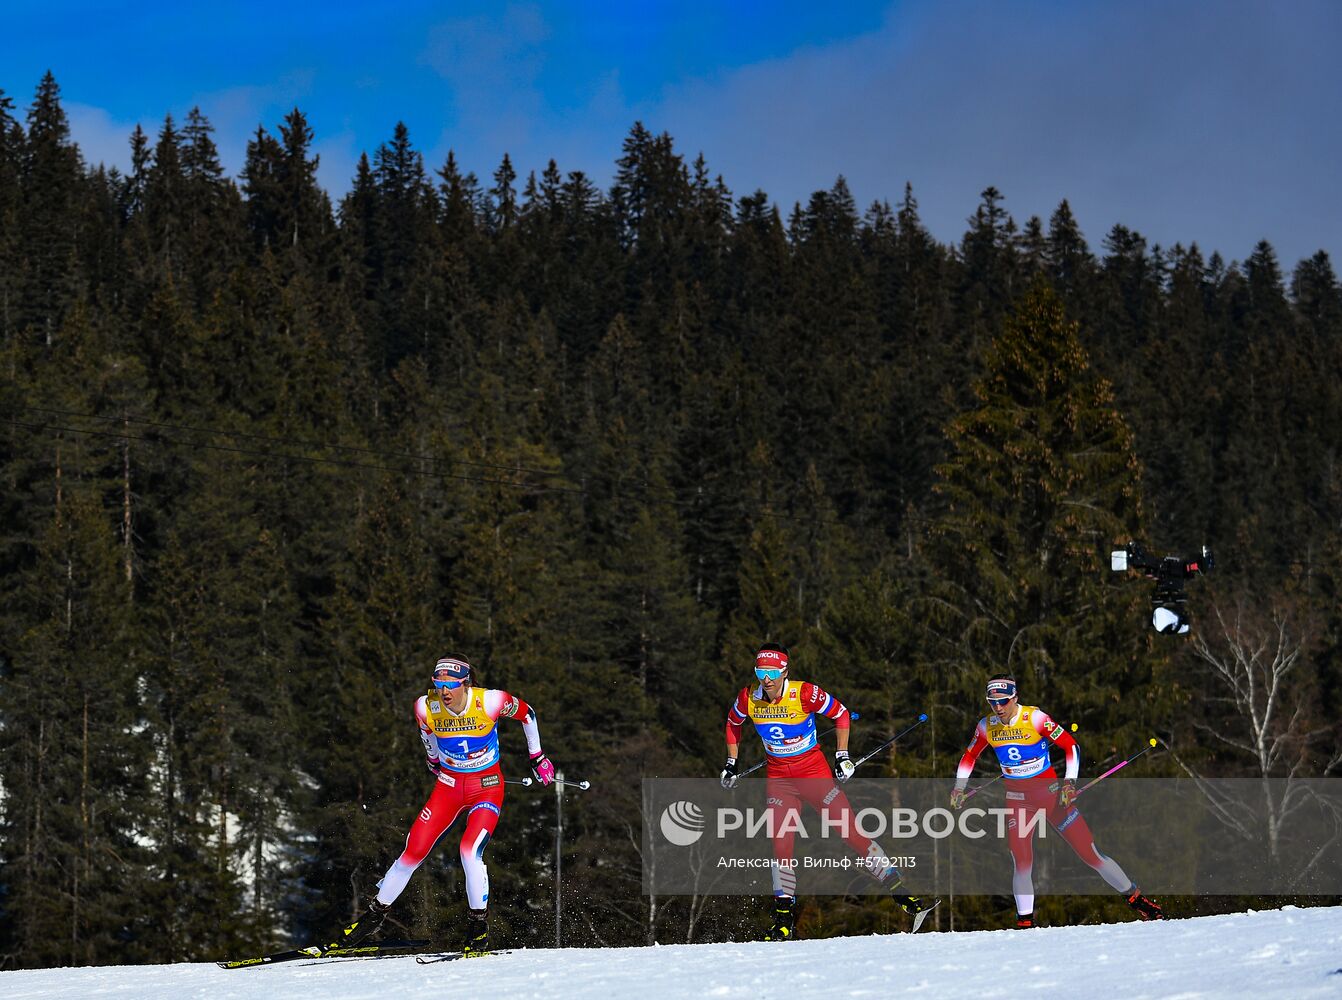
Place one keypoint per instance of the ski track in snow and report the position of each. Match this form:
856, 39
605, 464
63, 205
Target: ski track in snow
1291, 953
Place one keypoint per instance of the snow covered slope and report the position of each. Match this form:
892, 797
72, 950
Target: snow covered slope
1288, 953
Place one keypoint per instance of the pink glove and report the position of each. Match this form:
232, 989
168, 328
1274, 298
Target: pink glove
542, 768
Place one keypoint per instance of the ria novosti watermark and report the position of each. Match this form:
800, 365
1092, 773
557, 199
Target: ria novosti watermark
900, 823
1172, 836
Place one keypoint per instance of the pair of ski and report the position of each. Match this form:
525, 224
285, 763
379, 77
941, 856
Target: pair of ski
382, 949
395, 949
452, 956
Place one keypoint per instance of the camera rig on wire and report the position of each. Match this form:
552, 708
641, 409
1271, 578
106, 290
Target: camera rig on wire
1168, 597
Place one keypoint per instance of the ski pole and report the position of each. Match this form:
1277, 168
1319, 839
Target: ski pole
893, 739
755, 767
1151, 743
582, 786
974, 791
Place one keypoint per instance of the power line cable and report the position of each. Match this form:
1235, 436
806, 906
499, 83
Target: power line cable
287, 456
648, 496
351, 464
117, 418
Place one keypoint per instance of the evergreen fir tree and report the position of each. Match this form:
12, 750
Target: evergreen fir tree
52, 178
1041, 480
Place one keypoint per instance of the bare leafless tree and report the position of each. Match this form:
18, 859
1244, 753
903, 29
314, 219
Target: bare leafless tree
1263, 706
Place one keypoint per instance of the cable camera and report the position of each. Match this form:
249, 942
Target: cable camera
1168, 598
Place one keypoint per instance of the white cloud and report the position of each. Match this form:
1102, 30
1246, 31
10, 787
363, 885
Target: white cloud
491, 64
339, 157
100, 137
1156, 116
236, 112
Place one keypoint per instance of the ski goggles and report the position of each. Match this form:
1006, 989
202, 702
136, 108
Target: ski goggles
770, 664
1000, 692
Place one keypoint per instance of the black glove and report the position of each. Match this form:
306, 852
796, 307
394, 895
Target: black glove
729, 773
843, 767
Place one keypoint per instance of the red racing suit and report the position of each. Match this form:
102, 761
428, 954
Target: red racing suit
463, 751
798, 772
1022, 747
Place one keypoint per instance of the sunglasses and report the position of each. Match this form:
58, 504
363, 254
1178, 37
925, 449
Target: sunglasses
769, 673
996, 702
451, 685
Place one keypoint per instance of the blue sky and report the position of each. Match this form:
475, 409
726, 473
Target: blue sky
1188, 121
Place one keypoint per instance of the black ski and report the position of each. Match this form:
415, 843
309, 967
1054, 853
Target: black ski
381, 948
452, 956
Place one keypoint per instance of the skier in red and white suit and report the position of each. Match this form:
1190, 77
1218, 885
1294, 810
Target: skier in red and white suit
457, 726
1021, 737
783, 712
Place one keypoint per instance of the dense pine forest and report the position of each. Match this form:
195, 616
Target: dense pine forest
266, 456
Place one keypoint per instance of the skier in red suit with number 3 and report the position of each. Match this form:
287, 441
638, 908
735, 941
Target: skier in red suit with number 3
783, 712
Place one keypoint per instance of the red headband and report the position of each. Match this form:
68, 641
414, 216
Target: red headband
771, 658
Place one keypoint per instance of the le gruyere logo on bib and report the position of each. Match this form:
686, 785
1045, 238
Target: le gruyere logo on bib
455, 725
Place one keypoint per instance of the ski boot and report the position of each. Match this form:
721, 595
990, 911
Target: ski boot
1145, 908
1024, 920
917, 907
363, 925
785, 919
477, 939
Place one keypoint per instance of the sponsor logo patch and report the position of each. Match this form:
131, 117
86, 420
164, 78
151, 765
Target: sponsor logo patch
510, 709
489, 781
